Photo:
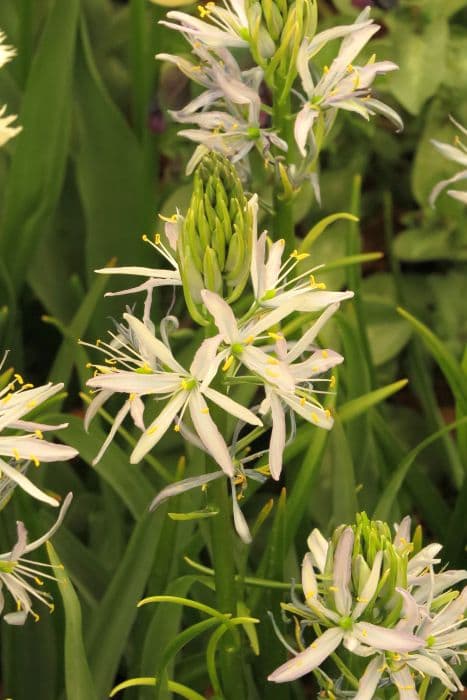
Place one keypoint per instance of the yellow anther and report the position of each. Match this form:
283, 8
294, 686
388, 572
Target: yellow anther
205, 410
18, 605
177, 428
34, 460
16, 454
362, 600
326, 70
327, 412
38, 581
273, 361
7, 398
51, 607
332, 382
88, 365
171, 219
271, 373
235, 125
19, 378
302, 401
28, 386
299, 256
157, 239
228, 363
364, 633
314, 418
275, 336
350, 68
145, 238
35, 616
110, 361
39, 434
250, 340
152, 430
324, 353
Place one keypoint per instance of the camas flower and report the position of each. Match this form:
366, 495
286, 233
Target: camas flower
228, 26
302, 400
458, 154
7, 131
184, 389
17, 574
22, 441
342, 85
339, 603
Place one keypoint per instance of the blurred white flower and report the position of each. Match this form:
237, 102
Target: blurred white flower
7, 131
458, 154
18, 574
228, 26
184, 389
342, 85
22, 441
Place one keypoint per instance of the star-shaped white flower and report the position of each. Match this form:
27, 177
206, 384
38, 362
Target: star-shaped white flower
185, 389
17, 574
22, 441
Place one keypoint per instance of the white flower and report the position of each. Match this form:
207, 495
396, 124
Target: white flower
343, 85
7, 131
458, 154
229, 24
302, 399
270, 277
185, 389
240, 340
343, 619
17, 574
155, 277
28, 445
233, 128
7, 53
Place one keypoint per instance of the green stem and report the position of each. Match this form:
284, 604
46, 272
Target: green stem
138, 52
283, 226
222, 542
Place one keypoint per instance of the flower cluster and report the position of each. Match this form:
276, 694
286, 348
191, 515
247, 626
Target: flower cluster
371, 595
7, 131
22, 443
246, 347
231, 116
458, 154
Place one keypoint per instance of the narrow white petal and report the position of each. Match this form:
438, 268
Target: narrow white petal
173, 275
386, 639
27, 485
182, 486
317, 300
41, 540
444, 183
309, 659
241, 525
137, 412
33, 448
232, 407
205, 357
273, 264
259, 362
310, 335
370, 679
369, 589
411, 612
342, 571
451, 152
405, 684
278, 436
158, 427
303, 125
95, 405
318, 546
429, 667
209, 432
118, 420
134, 383
223, 315
152, 345
311, 413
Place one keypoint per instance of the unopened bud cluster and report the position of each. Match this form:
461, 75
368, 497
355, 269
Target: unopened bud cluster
214, 245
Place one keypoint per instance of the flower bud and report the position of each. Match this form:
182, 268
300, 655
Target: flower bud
214, 246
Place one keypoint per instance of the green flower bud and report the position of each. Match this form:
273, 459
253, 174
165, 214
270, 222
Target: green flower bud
215, 244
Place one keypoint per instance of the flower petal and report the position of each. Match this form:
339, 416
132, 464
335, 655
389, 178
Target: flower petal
182, 486
309, 659
152, 345
342, 571
369, 589
386, 639
318, 546
24, 483
405, 684
158, 427
370, 679
209, 432
241, 525
278, 436
223, 316
232, 407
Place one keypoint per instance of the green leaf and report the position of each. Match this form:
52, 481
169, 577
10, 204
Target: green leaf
178, 688
38, 165
345, 503
452, 371
356, 407
421, 58
319, 228
110, 171
107, 636
194, 515
383, 508
78, 680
